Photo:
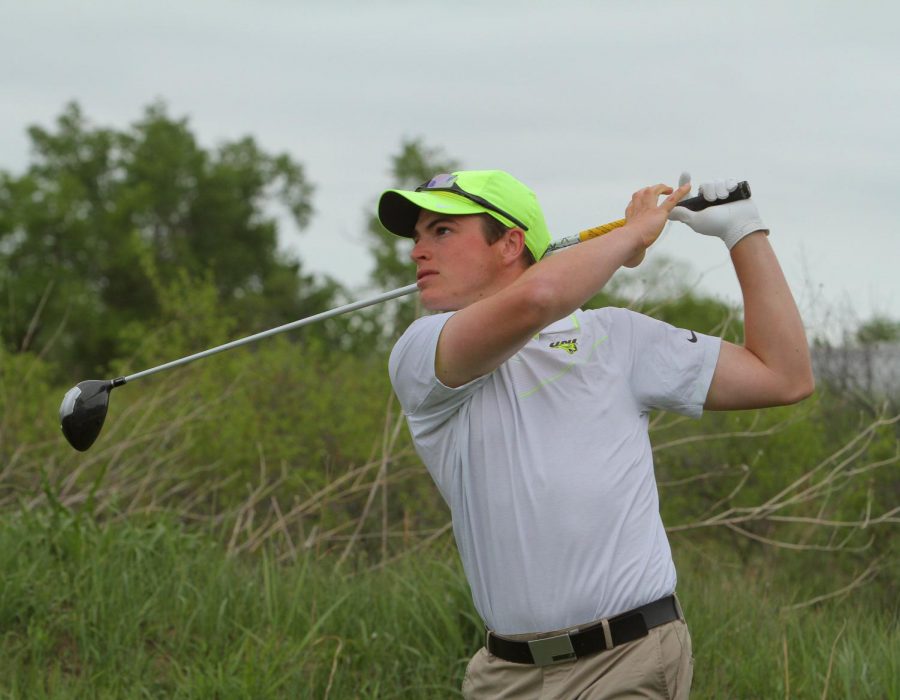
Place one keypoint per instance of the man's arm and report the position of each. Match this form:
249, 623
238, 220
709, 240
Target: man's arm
480, 337
773, 367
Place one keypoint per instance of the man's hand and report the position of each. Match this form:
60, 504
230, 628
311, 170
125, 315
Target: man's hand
647, 215
730, 222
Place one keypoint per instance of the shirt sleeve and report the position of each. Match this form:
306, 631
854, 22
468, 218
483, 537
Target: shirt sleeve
411, 369
671, 368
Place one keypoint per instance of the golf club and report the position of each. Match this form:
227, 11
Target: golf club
84, 407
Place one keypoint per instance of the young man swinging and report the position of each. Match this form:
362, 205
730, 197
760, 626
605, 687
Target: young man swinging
532, 416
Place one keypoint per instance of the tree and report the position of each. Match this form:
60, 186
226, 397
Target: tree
102, 219
878, 329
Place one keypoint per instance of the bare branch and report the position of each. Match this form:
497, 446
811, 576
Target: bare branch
859, 581
35, 318
750, 433
795, 546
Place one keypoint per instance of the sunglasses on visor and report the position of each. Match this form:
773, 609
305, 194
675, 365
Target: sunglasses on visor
447, 183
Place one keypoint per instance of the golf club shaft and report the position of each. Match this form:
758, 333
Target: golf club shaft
694, 203
346, 308
402, 291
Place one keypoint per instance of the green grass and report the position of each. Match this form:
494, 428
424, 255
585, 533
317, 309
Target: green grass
750, 643
147, 609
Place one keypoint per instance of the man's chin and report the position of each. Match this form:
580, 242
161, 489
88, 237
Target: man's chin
435, 304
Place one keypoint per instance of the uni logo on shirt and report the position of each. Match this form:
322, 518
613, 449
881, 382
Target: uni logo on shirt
570, 346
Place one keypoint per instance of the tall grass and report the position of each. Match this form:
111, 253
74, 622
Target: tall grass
149, 610
259, 526
752, 638
145, 608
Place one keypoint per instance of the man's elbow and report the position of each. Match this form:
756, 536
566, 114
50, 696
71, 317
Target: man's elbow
799, 389
541, 303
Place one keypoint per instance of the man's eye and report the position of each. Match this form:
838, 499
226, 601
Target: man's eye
441, 230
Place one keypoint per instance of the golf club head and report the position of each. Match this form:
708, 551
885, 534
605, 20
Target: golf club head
83, 411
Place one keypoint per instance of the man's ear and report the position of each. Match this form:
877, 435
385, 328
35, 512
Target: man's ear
513, 244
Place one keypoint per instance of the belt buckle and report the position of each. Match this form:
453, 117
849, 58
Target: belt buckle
552, 650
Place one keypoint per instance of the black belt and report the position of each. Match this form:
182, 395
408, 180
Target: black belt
578, 643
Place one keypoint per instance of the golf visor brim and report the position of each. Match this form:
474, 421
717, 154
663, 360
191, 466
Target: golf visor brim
398, 210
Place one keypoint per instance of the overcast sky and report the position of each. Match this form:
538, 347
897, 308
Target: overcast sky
583, 101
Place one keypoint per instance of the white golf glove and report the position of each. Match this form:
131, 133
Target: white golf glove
730, 222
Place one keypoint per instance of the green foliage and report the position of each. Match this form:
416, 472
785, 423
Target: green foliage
124, 567
24, 385
878, 330
702, 314
213, 543
147, 608
101, 218
796, 477
754, 636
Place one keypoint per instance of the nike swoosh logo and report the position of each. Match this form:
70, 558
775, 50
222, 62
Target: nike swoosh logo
693, 338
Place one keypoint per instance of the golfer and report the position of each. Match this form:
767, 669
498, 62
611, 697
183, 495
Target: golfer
532, 417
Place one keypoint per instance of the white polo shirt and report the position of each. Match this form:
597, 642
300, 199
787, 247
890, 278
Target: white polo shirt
546, 462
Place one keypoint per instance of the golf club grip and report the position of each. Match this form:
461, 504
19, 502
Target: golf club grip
600, 230
583, 236
699, 203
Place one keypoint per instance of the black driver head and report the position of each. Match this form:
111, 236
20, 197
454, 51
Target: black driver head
83, 411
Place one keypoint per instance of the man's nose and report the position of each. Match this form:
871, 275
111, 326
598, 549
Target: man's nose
419, 251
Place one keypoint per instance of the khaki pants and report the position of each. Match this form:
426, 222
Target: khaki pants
659, 665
